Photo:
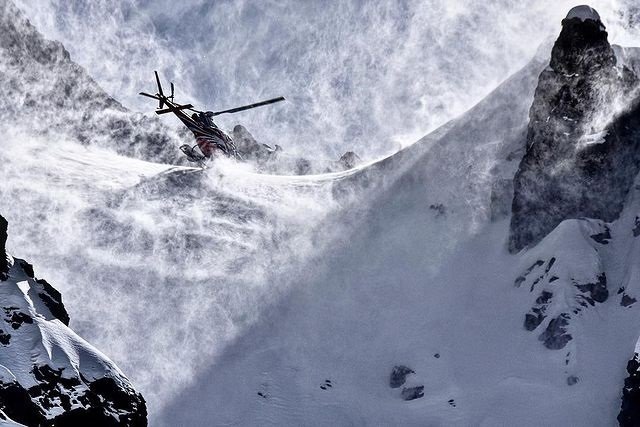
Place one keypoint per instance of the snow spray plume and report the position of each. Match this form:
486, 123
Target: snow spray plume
363, 76
164, 273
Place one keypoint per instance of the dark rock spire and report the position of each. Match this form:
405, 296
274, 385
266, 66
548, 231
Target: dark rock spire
581, 155
4, 266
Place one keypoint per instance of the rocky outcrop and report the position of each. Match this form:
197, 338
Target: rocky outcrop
252, 150
629, 415
49, 375
563, 283
412, 393
4, 264
399, 376
273, 160
581, 156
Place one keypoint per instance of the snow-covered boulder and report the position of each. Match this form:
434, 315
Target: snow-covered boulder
48, 374
581, 156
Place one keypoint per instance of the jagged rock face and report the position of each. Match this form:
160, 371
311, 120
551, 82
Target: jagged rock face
629, 415
273, 160
582, 47
4, 265
572, 282
45, 92
349, 160
252, 150
48, 375
581, 155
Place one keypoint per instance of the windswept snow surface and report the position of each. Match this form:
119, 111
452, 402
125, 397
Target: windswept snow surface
169, 263
180, 268
230, 297
432, 289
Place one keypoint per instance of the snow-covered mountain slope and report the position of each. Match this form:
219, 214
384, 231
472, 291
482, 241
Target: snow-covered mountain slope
46, 92
231, 297
195, 254
48, 374
459, 328
216, 249
426, 282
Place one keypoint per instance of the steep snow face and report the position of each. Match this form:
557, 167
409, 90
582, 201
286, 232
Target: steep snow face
421, 316
48, 374
406, 288
418, 289
459, 330
195, 254
583, 13
203, 256
386, 299
237, 298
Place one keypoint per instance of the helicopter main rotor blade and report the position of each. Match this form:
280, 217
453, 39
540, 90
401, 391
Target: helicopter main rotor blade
248, 107
161, 103
150, 96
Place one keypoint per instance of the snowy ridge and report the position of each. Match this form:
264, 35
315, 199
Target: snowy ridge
51, 342
48, 374
5, 421
425, 281
282, 300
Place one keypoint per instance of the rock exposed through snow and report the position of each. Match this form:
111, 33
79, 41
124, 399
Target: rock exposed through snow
562, 175
49, 375
630, 410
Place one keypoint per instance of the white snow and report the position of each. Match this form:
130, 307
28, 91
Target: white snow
5, 421
405, 285
179, 305
591, 139
271, 285
45, 341
583, 13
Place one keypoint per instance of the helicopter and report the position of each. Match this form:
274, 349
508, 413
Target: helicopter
210, 139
